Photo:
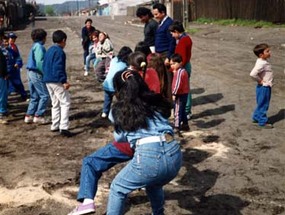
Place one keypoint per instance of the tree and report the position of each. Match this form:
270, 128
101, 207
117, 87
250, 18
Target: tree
49, 10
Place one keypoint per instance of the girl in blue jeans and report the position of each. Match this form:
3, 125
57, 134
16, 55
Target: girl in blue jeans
140, 120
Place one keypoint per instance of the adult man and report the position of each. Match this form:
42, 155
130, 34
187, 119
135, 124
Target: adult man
86, 31
164, 42
150, 26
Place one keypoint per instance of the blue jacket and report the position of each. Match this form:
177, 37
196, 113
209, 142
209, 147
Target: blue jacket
156, 127
163, 38
12, 58
36, 57
54, 65
115, 66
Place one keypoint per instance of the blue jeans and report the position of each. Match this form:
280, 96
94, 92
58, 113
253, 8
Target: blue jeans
263, 95
153, 165
94, 165
16, 84
89, 58
108, 97
3, 96
39, 96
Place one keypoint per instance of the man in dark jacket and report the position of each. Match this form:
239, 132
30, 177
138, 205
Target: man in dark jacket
86, 31
150, 26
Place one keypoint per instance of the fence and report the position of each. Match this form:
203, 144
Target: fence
266, 10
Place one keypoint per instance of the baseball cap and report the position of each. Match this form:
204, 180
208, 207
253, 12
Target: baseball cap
12, 35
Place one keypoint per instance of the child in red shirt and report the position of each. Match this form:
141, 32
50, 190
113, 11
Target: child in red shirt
180, 90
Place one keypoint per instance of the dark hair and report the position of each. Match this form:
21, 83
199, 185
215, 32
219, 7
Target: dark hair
160, 7
143, 47
88, 20
143, 11
95, 33
124, 53
259, 49
176, 58
38, 34
176, 26
155, 61
138, 61
135, 102
58, 36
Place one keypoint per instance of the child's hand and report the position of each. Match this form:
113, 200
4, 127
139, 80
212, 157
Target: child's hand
173, 98
66, 86
16, 66
260, 82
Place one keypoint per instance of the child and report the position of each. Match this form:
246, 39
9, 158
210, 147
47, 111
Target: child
184, 48
14, 63
55, 78
104, 53
155, 61
147, 129
39, 96
263, 74
180, 90
117, 64
137, 62
3, 87
15, 78
92, 47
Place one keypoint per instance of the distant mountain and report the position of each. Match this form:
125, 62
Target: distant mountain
71, 6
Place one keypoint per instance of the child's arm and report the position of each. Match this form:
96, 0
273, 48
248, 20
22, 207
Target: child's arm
257, 69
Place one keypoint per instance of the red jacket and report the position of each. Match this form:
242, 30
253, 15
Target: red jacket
151, 79
180, 82
184, 48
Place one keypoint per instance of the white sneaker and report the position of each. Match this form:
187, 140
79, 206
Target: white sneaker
104, 115
28, 119
189, 116
86, 73
41, 120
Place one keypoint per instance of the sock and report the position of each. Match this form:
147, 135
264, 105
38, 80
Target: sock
87, 201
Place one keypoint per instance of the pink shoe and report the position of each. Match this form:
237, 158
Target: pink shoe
83, 209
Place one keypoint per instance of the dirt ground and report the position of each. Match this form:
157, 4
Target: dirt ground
230, 166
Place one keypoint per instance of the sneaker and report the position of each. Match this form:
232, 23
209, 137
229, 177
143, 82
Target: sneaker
3, 120
86, 73
266, 126
66, 133
28, 119
103, 115
41, 120
189, 116
83, 209
254, 121
185, 127
54, 130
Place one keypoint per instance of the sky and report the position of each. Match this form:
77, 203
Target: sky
48, 2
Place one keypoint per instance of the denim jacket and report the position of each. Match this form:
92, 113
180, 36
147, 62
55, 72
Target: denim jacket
156, 127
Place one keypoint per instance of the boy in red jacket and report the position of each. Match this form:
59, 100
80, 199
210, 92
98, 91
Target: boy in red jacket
180, 90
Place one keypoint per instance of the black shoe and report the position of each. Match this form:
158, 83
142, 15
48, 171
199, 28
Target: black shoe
185, 127
66, 133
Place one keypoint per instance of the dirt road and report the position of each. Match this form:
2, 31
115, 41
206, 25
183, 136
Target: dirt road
230, 166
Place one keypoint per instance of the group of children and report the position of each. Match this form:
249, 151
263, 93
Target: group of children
47, 79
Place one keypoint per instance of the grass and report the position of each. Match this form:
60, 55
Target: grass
238, 22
